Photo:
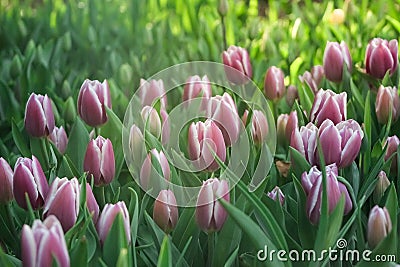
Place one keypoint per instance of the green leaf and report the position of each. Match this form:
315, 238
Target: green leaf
165, 258
77, 144
79, 255
123, 258
300, 164
134, 213
20, 141
115, 241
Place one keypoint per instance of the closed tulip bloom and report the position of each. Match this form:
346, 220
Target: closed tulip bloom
381, 186
292, 123
6, 182
392, 143
93, 99
99, 161
277, 193
381, 56
308, 79
39, 116
165, 212
210, 214
259, 125
291, 95
91, 203
152, 90
107, 217
223, 110
328, 105
387, 100
147, 176
44, 244
335, 57
136, 144
274, 83
63, 201
237, 58
59, 138
305, 141
317, 73
151, 120
204, 140
29, 179
281, 124
379, 225
197, 87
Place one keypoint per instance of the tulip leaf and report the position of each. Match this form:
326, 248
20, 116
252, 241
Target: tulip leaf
165, 258
356, 94
77, 144
116, 240
78, 253
134, 214
123, 258
19, 140
299, 163
367, 132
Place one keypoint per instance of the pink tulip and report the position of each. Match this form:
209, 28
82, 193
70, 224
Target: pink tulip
274, 83
147, 176
136, 144
6, 182
59, 138
99, 161
91, 203
335, 57
305, 141
165, 212
281, 124
197, 87
259, 125
381, 186
152, 90
210, 214
381, 56
328, 105
291, 95
292, 123
93, 99
39, 116
151, 120
317, 73
237, 65
392, 144
313, 79
387, 100
277, 193
379, 225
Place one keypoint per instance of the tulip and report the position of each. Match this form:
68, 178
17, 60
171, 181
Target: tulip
39, 116
237, 65
59, 138
305, 141
259, 125
292, 123
99, 161
93, 99
107, 217
328, 105
291, 95
223, 110
165, 212
335, 56
136, 144
29, 179
6, 182
379, 225
277, 193
152, 90
387, 100
147, 176
312, 185
63, 201
223, 7
274, 83
91, 203
381, 57
281, 124
337, 16
392, 143
44, 244
210, 214
197, 87
381, 186
317, 73
341, 143
152, 120
204, 140
308, 79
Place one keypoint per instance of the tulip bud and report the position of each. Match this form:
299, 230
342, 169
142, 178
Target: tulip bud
392, 143
165, 212
63, 201
210, 214
281, 124
6, 182
329, 105
197, 87
277, 193
44, 244
381, 56
107, 217
308, 79
379, 225
136, 144
317, 73
223, 7
387, 100
335, 56
93, 99
149, 179
16, 67
237, 65
291, 95
39, 116
152, 120
274, 83
59, 138
381, 186
99, 161
204, 140
69, 113
29, 179
259, 125
292, 123
337, 16
152, 90
91, 203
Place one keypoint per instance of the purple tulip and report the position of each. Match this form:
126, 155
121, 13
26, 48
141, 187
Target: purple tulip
197, 87
107, 217
44, 243
147, 176
305, 141
379, 225
59, 138
335, 57
152, 90
165, 212
237, 65
6, 182
210, 214
381, 186
277, 193
291, 95
93, 99
91, 203
313, 78
99, 161
328, 105
63, 201
392, 144
259, 125
312, 185
317, 73
292, 123
39, 116
29, 179
223, 110
204, 140
381, 56
274, 83
387, 100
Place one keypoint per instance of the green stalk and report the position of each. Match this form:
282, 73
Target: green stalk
211, 248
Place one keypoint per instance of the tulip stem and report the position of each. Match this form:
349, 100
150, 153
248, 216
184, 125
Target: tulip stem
99, 194
97, 131
211, 246
223, 31
43, 147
